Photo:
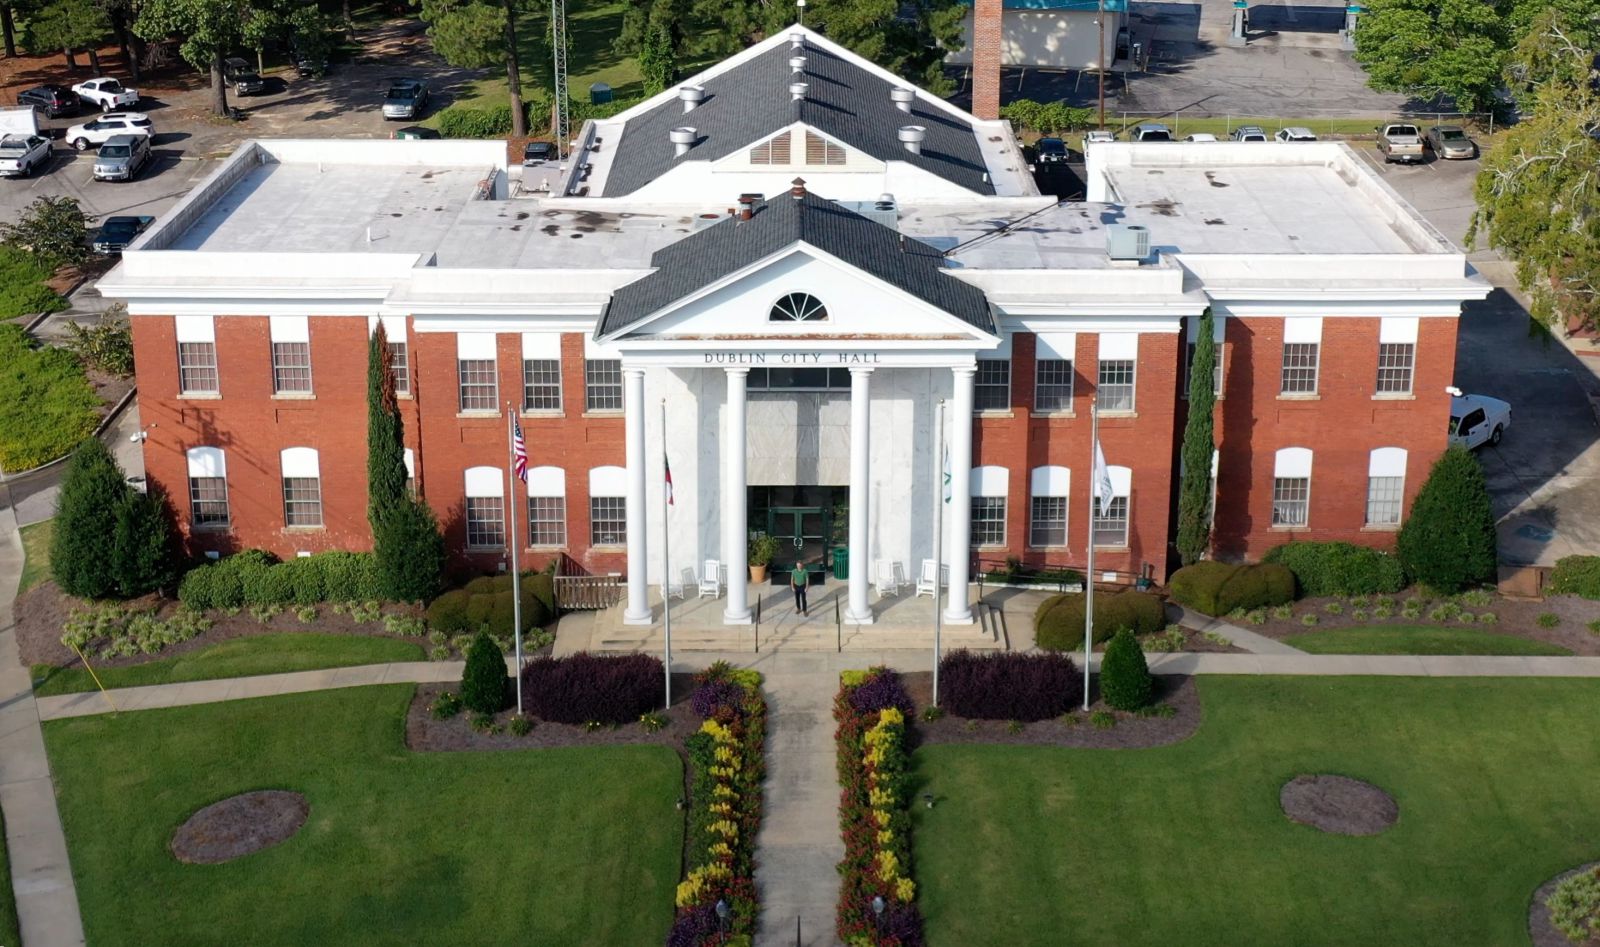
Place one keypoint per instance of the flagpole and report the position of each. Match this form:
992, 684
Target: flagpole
511, 504
666, 557
938, 542
1088, 579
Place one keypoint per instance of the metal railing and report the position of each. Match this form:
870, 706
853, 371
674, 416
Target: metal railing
577, 592
838, 627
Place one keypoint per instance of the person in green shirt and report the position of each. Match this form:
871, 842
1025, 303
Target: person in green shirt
797, 581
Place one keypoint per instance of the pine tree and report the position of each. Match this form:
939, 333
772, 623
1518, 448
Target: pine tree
1199, 444
1448, 541
386, 462
1124, 676
412, 554
484, 680
144, 544
86, 522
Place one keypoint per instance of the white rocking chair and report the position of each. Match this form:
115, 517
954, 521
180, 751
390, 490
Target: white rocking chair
678, 588
888, 578
711, 579
925, 579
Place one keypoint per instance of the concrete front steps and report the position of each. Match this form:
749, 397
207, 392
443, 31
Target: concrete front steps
814, 634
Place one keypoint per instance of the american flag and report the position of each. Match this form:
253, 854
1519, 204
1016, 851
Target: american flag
519, 452
668, 465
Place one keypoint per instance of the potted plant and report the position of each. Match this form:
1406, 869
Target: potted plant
762, 549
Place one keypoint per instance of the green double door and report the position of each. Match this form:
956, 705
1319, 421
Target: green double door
802, 534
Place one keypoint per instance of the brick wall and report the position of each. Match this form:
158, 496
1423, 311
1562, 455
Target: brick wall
987, 29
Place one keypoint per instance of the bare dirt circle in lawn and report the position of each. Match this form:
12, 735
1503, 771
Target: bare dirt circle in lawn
1338, 804
239, 825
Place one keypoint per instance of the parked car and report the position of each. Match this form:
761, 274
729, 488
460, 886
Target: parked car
415, 132
245, 80
1098, 135
106, 94
1050, 150
1399, 142
21, 155
117, 232
1248, 133
1294, 133
53, 100
1200, 136
1450, 141
406, 99
1477, 419
122, 157
1151, 131
101, 130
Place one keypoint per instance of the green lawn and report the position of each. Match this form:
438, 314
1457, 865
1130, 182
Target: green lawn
238, 657
549, 847
46, 403
8, 906
35, 554
22, 286
1417, 639
1186, 844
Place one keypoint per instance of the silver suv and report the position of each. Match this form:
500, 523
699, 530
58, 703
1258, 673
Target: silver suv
122, 157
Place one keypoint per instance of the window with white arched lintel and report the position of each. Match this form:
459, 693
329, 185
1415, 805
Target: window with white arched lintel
990, 485
1047, 514
208, 488
485, 507
1386, 486
608, 506
1291, 487
547, 506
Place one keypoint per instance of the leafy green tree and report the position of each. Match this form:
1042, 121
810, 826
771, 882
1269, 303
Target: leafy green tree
657, 61
1432, 48
280, 21
92, 494
51, 230
211, 29
1124, 676
144, 544
476, 34
1448, 541
70, 26
484, 680
1199, 443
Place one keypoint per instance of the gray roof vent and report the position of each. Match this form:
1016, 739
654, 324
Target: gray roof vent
1129, 242
797, 40
797, 63
902, 98
885, 202
797, 90
911, 136
691, 96
682, 140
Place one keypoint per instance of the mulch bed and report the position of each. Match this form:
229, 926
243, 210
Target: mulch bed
238, 826
1338, 804
1132, 732
1516, 617
42, 610
1540, 930
427, 735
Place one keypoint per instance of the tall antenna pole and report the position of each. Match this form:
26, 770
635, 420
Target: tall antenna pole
561, 127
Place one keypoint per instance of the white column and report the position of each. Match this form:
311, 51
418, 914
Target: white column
958, 611
735, 529
638, 611
860, 613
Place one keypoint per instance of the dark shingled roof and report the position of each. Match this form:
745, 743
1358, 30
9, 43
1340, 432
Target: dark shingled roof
748, 103
730, 245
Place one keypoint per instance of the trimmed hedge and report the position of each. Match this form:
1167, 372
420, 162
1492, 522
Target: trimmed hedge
588, 687
1009, 686
1124, 676
1217, 588
485, 603
1339, 568
256, 577
1576, 575
1060, 628
484, 680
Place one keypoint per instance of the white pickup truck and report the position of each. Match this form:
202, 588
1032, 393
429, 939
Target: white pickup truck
21, 155
106, 93
1401, 143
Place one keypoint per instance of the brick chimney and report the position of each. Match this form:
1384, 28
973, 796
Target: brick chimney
987, 16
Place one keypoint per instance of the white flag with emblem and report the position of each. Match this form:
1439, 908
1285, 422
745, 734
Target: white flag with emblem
1102, 480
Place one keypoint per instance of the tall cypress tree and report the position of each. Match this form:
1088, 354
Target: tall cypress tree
81, 547
1448, 541
1199, 443
386, 463
144, 544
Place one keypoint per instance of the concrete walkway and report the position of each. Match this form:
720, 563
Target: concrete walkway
41, 877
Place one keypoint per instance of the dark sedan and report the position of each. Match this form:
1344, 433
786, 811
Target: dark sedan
52, 100
117, 232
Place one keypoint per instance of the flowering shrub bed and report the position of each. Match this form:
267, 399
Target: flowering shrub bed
585, 688
727, 767
874, 812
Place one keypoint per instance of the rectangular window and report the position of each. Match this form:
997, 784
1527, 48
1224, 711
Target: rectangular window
1300, 368
208, 502
602, 382
1384, 496
820, 150
541, 384
991, 388
1291, 499
1111, 527
197, 367
1048, 525
486, 523
291, 368
608, 521
1116, 385
479, 391
1052, 388
988, 521
1216, 371
302, 501
547, 521
1395, 362
774, 150
400, 364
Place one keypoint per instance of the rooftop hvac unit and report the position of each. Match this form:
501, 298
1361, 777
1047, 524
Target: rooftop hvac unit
1127, 242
